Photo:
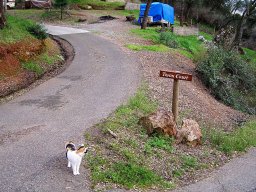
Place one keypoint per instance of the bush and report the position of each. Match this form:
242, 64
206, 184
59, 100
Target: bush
229, 78
37, 31
168, 39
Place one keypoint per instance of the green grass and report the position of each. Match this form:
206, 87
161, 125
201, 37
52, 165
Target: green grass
129, 12
50, 60
98, 4
189, 162
250, 56
150, 33
239, 140
160, 142
207, 36
31, 14
130, 176
188, 46
32, 66
15, 30
155, 48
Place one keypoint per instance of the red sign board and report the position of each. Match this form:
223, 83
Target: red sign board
176, 75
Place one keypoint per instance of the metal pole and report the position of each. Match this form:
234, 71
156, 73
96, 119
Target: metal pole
175, 99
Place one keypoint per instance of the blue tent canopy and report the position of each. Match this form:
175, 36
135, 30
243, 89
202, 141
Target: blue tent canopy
158, 11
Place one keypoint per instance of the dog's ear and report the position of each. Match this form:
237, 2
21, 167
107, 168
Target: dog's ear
70, 145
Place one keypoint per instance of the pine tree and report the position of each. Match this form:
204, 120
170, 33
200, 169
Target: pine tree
61, 4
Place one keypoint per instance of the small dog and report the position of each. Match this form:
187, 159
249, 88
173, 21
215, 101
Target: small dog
75, 156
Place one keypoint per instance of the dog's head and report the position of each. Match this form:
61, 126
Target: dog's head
70, 146
82, 150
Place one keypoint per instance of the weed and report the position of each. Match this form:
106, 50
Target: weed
189, 162
132, 143
178, 172
160, 142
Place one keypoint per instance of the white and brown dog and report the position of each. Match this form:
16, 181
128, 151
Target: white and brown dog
75, 156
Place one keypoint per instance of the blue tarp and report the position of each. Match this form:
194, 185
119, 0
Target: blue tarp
158, 11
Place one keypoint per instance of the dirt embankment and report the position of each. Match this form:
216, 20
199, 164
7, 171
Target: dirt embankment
50, 55
195, 100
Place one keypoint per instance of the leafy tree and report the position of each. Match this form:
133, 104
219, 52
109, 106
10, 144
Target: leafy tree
61, 4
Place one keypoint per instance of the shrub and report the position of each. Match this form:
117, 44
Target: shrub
37, 31
168, 39
229, 78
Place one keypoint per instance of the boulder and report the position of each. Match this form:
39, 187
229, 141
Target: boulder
190, 133
161, 122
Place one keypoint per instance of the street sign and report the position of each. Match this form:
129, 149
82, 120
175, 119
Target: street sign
176, 75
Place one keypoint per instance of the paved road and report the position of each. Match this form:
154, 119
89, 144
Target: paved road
239, 175
35, 126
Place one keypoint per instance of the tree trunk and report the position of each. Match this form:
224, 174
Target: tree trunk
239, 33
182, 13
2, 17
145, 17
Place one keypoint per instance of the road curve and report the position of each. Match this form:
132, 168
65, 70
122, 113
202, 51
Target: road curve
35, 126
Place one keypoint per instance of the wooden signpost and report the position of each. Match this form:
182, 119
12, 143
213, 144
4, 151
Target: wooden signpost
176, 75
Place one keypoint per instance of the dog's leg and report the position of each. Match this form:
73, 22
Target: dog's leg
69, 164
74, 169
77, 167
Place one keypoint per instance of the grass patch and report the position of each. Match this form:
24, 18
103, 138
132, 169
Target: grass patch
150, 33
98, 4
250, 56
43, 62
188, 46
131, 176
189, 162
207, 36
129, 12
50, 59
239, 140
160, 142
155, 48
15, 30
34, 67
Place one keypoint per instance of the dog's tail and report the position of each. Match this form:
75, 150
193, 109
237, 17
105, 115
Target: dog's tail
70, 146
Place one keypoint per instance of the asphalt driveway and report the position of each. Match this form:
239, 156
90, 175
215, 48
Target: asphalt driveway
35, 126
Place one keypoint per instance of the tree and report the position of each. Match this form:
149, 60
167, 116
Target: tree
248, 9
2, 16
145, 17
61, 4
